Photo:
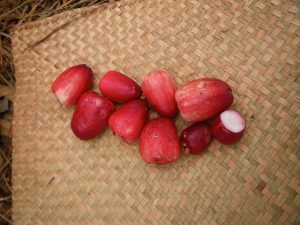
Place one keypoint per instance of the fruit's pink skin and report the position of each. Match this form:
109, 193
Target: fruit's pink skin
72, 83
196, 138
119, 87
159, 89
159, 142
223, 135
129, 120
91, 115
201, 99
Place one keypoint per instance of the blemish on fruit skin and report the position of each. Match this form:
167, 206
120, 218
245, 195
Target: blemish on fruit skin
97, 101
133, 90
201, 85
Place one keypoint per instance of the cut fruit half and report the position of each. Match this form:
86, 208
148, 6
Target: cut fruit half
228, 127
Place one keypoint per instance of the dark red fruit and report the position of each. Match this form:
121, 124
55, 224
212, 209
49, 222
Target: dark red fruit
196, 138
91, 115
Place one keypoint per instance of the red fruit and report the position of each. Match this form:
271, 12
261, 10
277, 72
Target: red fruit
72, 83
129, 120
196, 138
91, 115
159, 142
159, 89
201, 99
119, 87
228, 127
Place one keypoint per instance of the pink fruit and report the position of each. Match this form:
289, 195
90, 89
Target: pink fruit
196, 138
159, 142
72, 83
91, 115
201, 99
119, 87
129, 120
228, 127
159, 89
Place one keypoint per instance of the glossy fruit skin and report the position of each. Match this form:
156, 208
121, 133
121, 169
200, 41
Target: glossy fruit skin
118, 87
91, 115
202, 99
196, 138
159, 89
222, 134
159, 142
128, 121
72, 83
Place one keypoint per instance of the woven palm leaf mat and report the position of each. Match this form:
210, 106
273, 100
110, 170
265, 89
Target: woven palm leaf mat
252, 45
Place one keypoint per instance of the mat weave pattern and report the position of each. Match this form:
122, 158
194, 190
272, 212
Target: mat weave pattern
253, 45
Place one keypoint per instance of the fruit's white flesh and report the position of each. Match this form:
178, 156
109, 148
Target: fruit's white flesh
232, 121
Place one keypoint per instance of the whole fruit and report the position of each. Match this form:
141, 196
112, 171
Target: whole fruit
119, 87
196, 138
91, 115
159, 142
72, 83
159, 89
129, 120
202, 99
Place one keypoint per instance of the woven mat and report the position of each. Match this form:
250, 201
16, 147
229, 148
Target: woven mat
252, 45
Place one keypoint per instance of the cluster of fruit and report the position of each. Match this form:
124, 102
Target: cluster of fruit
198, 102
